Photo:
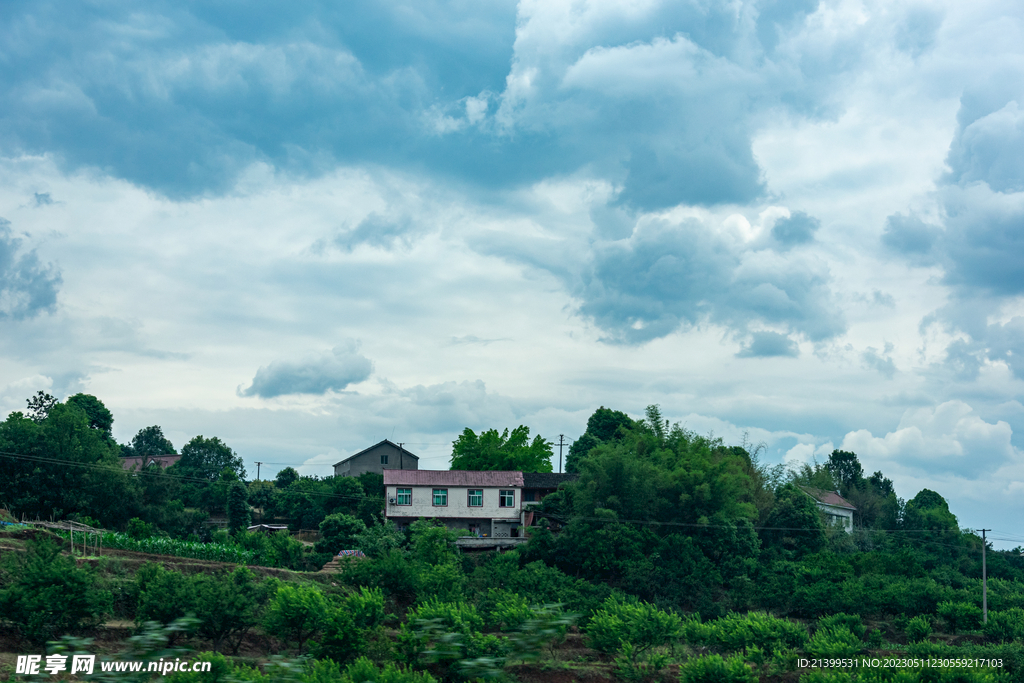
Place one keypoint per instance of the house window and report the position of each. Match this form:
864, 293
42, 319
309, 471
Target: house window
476, 498
507, 499
529, 496
404, 497
440, 497
383, 458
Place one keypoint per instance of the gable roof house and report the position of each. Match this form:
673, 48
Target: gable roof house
836, 509
140, 462
377, 458
487, 504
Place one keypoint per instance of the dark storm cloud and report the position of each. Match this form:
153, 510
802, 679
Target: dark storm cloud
27, 286
332, 371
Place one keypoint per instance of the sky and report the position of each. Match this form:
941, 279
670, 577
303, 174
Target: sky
305, 228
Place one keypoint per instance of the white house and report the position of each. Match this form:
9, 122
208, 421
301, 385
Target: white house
836, 509
487, 504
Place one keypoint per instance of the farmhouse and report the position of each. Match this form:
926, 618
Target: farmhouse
139, 462
836, 509
377, 458
486, 504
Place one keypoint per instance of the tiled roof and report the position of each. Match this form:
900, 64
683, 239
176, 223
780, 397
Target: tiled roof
827, 497
546, 480
451, 478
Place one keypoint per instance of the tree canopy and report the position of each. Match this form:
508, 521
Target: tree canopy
505, 451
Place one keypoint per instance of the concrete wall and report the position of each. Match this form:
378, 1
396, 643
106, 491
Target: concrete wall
370, 461
458, 504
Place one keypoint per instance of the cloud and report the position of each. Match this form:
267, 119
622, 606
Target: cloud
798, 228
768, 345
909, 235
948, 438
332, 371
27, 287
882, 362
676, 274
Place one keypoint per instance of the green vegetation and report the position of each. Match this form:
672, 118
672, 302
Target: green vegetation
671, 551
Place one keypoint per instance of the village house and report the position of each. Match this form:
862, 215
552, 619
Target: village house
140, 462
487, 504
377, 458
836, 509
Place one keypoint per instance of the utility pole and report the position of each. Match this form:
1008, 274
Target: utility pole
984, 580
258, 463
561, 442
401, 456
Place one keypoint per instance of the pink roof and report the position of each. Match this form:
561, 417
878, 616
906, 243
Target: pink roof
451, 478
827, 497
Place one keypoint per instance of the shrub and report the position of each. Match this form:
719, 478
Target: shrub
297, 612
735, 632
640, 624
507, 610
364, 670
163, 595
715, 669
918, 628
834, 641
1006, 626
339, 532
961, 616
48, 595
850, 621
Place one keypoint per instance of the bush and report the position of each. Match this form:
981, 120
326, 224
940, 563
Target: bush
736, 632
640, 624
339, 532
961, 616
506, 610
1006, 626
918, 628
850, 621
296, 612
834, 641
715, 669
48, 595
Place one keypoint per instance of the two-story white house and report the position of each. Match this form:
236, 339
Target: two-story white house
486, 504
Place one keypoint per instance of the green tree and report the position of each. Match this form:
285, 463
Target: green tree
238, 507
928, 510
80, 473
203, 458
605, 425
227, 605
505, 451
99, 417
286, 477
47, 595
795, 524
39, 406
339, 532
150, 441
845, 469
296, 612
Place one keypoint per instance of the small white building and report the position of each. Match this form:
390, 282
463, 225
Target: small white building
837, 510
486, 504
